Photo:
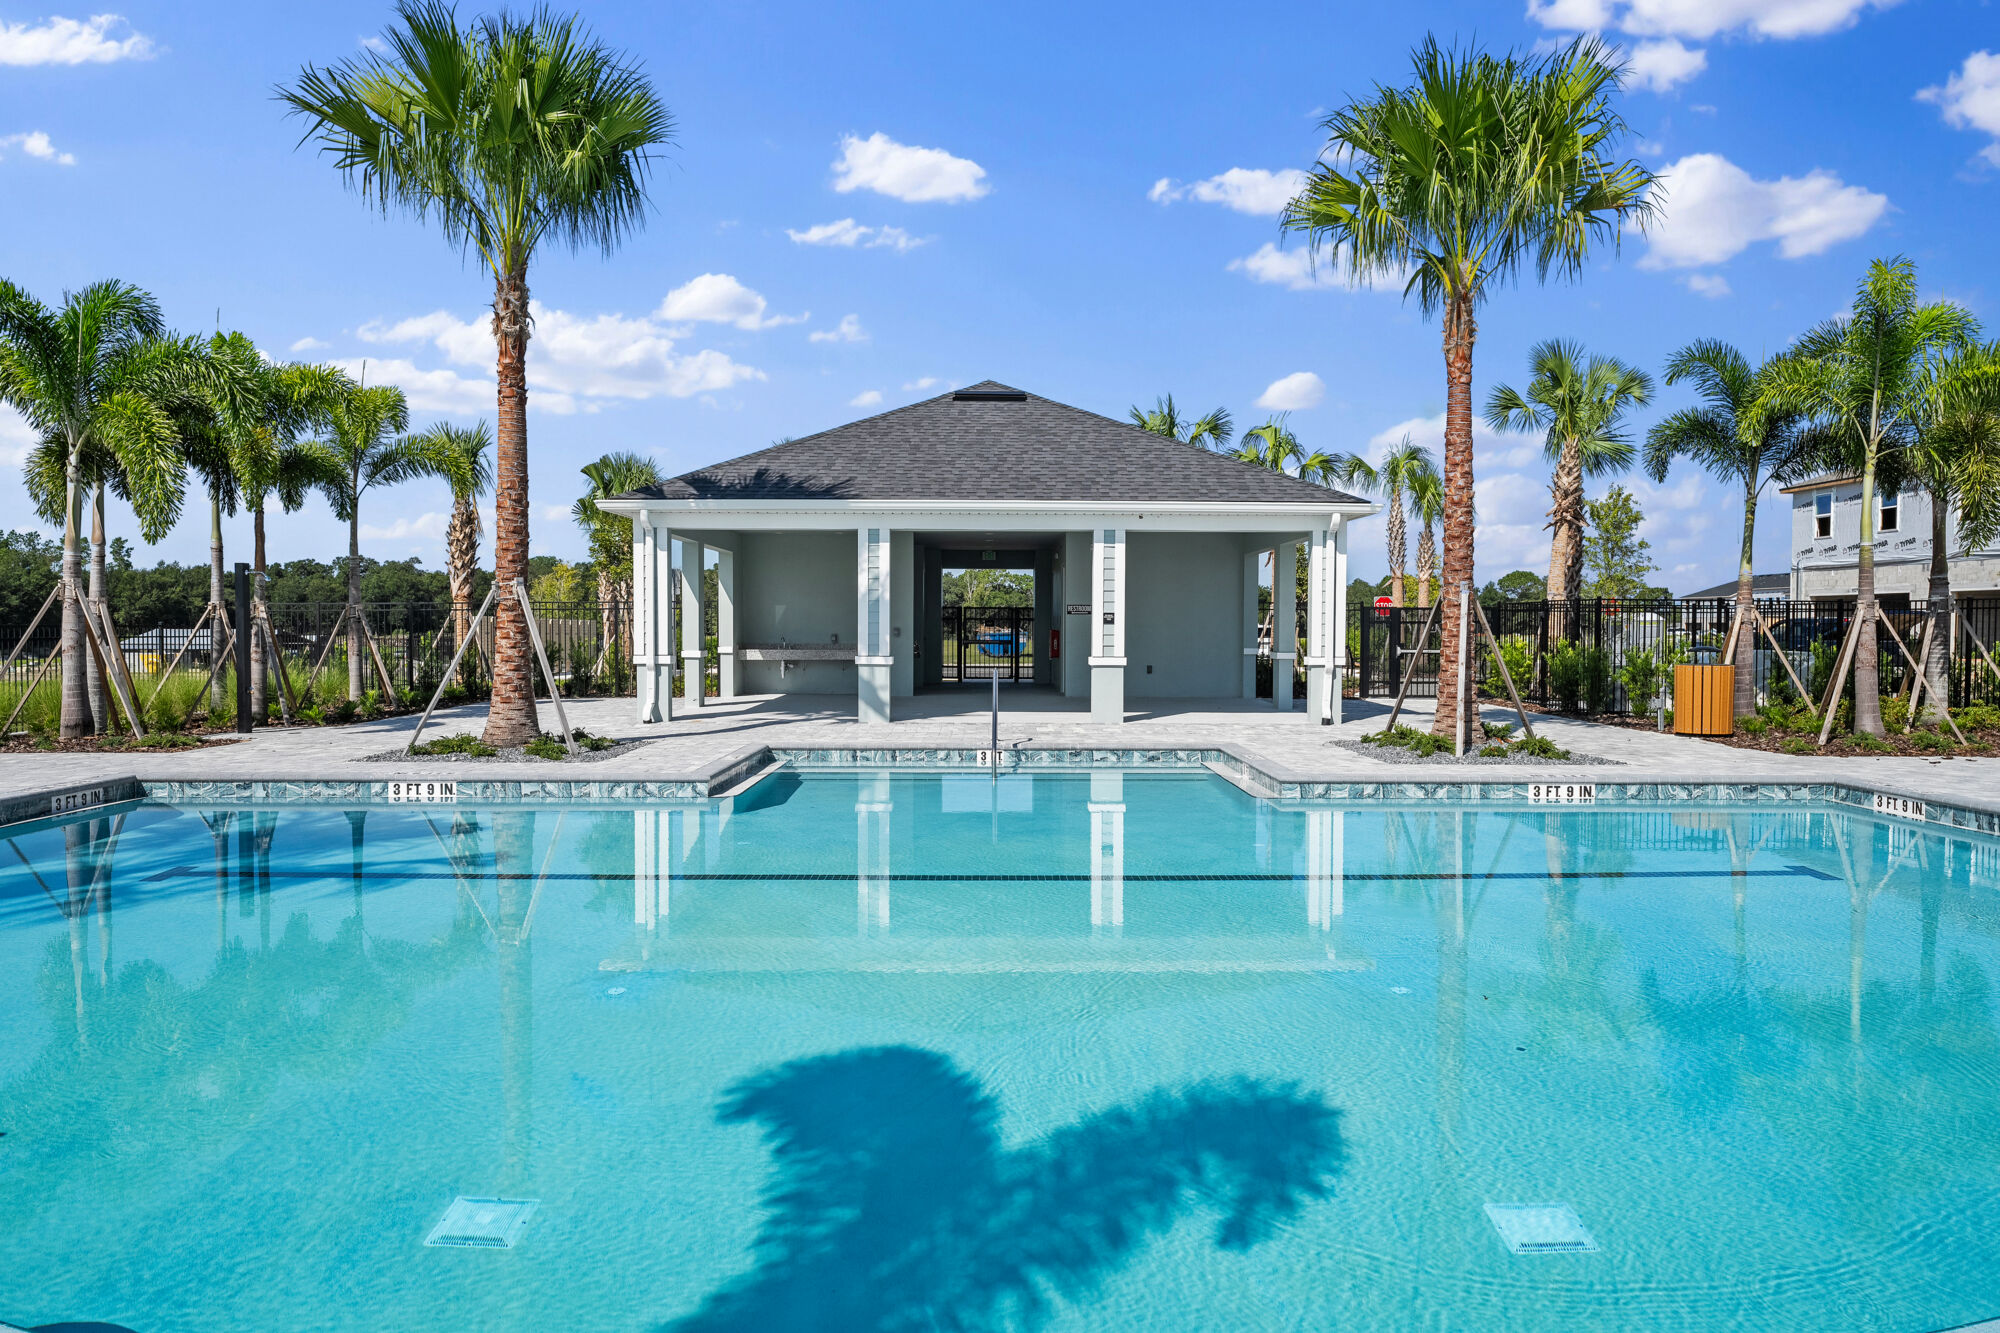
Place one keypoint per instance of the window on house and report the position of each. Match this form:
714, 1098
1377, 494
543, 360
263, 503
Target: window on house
1823, 515
1892, 512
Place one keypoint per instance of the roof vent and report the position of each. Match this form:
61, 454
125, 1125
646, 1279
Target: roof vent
988, 396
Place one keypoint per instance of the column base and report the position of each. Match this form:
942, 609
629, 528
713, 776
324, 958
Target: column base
1107, 693
727, 685
649, 692
872, 686
1318, 705
694, 679
1281, 681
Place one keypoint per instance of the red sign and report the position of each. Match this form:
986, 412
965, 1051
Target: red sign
1055, 644
1384, 603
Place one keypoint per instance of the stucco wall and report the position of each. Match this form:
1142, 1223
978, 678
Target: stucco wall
1183, 607
797, 586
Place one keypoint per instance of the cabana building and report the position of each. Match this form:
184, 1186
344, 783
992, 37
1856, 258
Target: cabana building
830, 554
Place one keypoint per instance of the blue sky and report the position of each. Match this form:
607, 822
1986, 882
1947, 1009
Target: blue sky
866, 205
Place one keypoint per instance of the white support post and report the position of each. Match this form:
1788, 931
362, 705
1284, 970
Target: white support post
1338, 593
1253, 563
1317, 650
652, 608
725, 625
871, 855
1107, 625
874, 654
694, 665
1107, 851
1284, 621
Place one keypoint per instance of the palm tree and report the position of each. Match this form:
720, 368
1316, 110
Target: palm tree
366, 447
610, 535
1483, 165
1579, 404
1861, 379
470, 477
1427, 502
1210, 432
99, 383
1955, 457
1739, 435
513, 130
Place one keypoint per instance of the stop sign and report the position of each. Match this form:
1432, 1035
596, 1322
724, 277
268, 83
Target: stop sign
1384, 603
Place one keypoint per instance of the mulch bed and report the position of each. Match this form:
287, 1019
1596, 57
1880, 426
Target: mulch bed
120, 744
1773, 741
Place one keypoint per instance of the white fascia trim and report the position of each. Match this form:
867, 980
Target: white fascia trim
1304, 511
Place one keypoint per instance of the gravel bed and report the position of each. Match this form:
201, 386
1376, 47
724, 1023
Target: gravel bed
511, 754
1395, 754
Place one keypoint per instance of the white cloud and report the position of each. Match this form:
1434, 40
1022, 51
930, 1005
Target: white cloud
849, 330
1294, 393
36, 145
1489, 452
429, 527
918, 386
914, 175
1296, 270
98, 40
1512, 531
436, 390
849, 233
1702, 19
307, 344
1662, 64
1970, 99
866, 398
376, 44
17, 437
1712, 285
1250, 190
718, 298
556, 513
1715, 210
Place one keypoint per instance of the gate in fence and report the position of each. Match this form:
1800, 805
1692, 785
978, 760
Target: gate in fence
982, 642
1388, 639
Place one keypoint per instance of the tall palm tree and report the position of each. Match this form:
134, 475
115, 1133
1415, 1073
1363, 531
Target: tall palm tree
1955, 457
1739, 435
1427, 503
610, 535
1400, 467
1580, 405
1861, 378
510, 131
1483, 165
99, 383
1212, 431
365, 444
470, 477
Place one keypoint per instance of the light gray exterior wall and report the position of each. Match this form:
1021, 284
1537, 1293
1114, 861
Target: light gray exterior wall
797, 586
1183, 606
903, 614
1076, 629
1826, 566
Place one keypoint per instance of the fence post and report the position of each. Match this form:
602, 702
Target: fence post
242, 646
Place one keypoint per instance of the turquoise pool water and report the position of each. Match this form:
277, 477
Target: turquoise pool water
1061, 1052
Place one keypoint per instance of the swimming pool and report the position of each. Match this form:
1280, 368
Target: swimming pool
1066, 1051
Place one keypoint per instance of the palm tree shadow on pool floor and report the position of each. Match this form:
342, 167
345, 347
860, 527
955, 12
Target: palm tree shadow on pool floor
893, 1205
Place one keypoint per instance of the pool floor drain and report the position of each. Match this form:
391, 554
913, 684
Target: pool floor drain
483, 1224
1541, 1228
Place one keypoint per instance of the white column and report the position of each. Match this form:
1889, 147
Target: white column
1338, 592
1107, 851
871, 855
1253, 562
652, 618
1318, 575
725, 623
874, 654
693, 668
1284, 621
1107, 625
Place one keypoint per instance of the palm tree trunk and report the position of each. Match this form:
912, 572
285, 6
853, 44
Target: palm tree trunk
1397, 546
1937, 644
354, 645
260, 685
1867, 653
1426, 566
218, 693
1746, 627
461, 542
1566, 533
1454, 697
78, 719
511, 719
98, 686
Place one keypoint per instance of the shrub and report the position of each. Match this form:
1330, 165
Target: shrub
341, 712
1979, 717
546, 746
1500, 731
453, 696
582, 669
1492, 752
1520, 660
1752, 725
1596, 680
1824, 651
1641, 678
1797, 745
1895, 711
1863, 741
1565, 674
464, 743
155, 740
1937, 742
1538, 747
590, 742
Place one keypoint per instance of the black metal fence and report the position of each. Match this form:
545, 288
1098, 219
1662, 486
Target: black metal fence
1577, 654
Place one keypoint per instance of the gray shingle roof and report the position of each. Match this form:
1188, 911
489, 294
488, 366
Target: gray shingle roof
1761, 585
995, 449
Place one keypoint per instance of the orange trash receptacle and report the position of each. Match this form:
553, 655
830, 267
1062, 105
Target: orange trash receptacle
1704, 700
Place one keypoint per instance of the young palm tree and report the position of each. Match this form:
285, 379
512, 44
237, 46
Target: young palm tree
610, 535
1212, 431
1579, 404
511, 131
471, 476
1861, 378
99, 383
1482, 166
1427, 503
1738, 436
365, 448
1955, 457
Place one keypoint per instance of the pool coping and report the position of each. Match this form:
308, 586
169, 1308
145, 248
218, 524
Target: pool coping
736, 772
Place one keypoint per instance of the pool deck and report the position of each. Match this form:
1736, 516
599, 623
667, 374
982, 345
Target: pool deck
703, 745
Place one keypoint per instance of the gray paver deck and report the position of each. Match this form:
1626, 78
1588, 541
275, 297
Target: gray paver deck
1286, 741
